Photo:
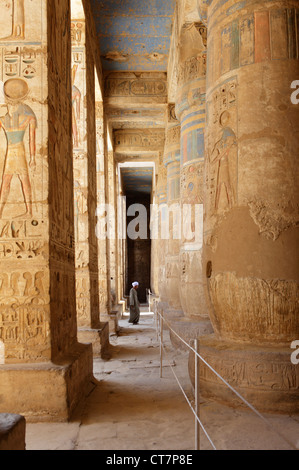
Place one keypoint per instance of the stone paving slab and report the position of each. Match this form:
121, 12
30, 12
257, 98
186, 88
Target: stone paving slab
132, 408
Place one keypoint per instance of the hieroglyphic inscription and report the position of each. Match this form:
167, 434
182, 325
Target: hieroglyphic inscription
135, 87
24, 314
152, 140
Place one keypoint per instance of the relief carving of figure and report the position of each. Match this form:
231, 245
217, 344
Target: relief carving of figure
18, 20
18, 118
221, 155
76, 102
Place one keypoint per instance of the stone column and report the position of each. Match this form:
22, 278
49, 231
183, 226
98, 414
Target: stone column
251, 200
101, 203
90, 329
161, 243
113, 238
172, 163
190, 110
38, 327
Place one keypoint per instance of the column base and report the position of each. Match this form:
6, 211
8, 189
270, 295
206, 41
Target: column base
263, 375
112, 318
47, 391
99, 338
187, 328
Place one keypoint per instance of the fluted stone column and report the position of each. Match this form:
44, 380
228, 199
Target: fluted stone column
172, 163
251, 200
44, 371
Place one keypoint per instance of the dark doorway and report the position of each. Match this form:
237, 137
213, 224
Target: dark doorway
139, 249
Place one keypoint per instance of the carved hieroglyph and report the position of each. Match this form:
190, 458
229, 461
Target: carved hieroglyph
249, 172
172, 163
191, 111
24, 282
101, 200
81, 189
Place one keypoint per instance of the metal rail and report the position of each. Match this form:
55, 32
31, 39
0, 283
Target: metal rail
159, 321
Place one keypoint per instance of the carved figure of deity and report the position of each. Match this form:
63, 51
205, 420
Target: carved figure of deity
76, 101
18, 118
221, 155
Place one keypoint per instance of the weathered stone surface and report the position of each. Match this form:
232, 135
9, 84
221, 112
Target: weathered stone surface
55, 389
250, 192
265, 377
12, 432
38, 307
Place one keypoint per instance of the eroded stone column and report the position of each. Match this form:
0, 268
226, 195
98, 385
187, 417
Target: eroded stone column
172, 162
81, 189
38, 328
190, 109
251, 200
90, 329
101, 203
160, 243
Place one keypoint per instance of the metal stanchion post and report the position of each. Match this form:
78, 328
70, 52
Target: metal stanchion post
161, 344
197, 426
157, 323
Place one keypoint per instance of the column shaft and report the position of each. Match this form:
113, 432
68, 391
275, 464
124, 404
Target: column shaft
38, 325
251, 197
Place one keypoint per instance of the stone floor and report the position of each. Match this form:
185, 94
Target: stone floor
132, 408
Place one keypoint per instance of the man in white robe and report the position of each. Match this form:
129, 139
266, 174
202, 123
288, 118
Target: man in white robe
134, 304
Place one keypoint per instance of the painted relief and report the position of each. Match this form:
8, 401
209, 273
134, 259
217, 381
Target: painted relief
78, 84
192, 184
222, 150
17, 119
259, 37
135, 87
274, 316
76, 107
192, 136
223, 157
151, 140
80, 170
17, 11
24, 288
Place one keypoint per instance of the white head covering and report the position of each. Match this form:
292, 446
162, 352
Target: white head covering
135, 283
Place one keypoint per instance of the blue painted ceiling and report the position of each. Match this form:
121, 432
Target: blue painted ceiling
134, 35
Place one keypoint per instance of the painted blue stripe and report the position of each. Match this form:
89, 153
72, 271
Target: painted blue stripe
193, 123
196, 113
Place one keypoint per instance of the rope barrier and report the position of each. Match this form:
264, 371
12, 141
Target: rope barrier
221, 378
